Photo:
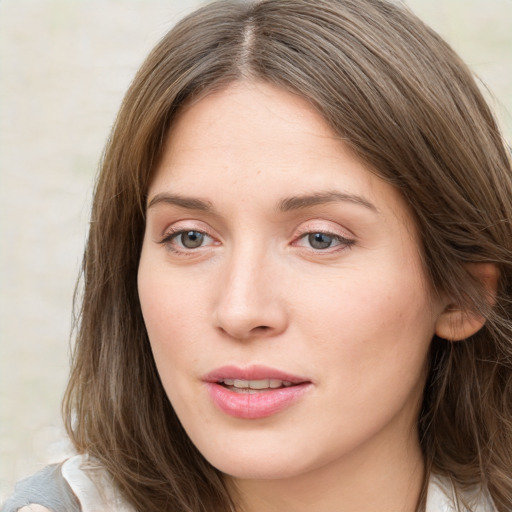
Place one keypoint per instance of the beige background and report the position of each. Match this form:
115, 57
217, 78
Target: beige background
64, 65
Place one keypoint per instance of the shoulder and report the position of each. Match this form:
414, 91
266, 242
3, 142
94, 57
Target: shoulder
442, 497
77, 485
46, 489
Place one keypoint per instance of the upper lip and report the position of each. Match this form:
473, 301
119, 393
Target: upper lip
255, 372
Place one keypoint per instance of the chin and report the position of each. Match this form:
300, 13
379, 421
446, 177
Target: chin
258, 471
259, 461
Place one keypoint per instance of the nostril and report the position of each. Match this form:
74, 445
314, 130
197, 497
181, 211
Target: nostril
241, 318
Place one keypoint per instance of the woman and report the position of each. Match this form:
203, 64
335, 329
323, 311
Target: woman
297, 281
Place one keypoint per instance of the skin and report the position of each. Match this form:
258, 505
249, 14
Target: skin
355, 319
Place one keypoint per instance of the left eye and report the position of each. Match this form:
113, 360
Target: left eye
321, 241
191, 239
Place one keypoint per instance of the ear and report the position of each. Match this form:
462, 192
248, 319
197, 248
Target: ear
454, 323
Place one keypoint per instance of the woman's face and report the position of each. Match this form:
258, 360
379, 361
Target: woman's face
282, 290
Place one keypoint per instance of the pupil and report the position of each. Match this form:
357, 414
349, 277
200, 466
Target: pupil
320, 240
192, 239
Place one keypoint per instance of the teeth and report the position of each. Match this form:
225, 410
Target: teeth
256, 384
252, 384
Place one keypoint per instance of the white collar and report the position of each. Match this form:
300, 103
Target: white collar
441, 498
98, 493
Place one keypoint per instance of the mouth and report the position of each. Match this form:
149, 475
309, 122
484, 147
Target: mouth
256, 378
256, 392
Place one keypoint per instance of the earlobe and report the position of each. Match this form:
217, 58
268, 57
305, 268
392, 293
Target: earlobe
455, 323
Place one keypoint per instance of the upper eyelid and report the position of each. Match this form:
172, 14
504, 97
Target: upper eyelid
327, 233
170, 234
333, 228
195, 225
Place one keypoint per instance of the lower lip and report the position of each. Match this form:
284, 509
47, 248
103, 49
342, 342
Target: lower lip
255, 405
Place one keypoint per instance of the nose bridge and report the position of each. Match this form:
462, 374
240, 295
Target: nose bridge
249, 300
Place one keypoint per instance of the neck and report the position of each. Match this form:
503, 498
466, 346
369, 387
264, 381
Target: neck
387, 478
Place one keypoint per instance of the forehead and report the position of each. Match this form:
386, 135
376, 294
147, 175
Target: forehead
246, 114
254, 141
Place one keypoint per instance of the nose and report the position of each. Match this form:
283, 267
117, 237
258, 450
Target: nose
250, 301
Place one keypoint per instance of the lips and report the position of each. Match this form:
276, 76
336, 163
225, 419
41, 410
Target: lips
254, 392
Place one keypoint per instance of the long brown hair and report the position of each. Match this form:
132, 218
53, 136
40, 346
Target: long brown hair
408, 107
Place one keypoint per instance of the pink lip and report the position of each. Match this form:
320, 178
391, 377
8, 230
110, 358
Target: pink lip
258, 405
255, 372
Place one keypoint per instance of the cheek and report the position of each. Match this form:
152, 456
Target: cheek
171, 335
169, 302
174, 317
374, 327
167, 311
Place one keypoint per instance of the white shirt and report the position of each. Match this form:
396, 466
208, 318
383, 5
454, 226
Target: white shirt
441, 498
96, 491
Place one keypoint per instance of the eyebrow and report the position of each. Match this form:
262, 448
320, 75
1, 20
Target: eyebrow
319, 198
189, 203
285, 205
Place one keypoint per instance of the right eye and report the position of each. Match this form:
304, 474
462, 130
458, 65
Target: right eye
191, 239
188, 240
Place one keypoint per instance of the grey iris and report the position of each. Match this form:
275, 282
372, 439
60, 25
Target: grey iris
319, 240
192, 239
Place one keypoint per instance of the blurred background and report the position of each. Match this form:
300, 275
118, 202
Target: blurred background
64, 66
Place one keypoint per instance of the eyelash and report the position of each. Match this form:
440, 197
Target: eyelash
342, 242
